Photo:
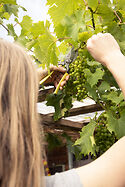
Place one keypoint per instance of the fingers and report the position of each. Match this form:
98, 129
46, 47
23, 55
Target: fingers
59, 68
94, 37
99, 35
64, 82
57, 80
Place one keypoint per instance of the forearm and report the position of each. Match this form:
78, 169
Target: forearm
116, 65
106, 171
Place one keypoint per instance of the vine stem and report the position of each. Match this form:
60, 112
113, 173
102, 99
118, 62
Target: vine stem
62, 79
93, 22
4, 27
120, 21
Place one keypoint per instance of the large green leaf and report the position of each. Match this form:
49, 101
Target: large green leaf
26, 25
54, 100
71, 25
106, 13
114, 97
93, 78
91, 91
37, 29
116, 125
48, 48
104, 87
59, 9
86, 140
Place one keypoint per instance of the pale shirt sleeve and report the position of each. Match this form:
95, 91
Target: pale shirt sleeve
64, 179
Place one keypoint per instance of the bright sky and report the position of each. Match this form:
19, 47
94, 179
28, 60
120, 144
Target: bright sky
36, 9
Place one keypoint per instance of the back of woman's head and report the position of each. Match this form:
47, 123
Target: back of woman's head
19, 140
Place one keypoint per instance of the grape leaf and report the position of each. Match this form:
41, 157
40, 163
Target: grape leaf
114, 97
48, 49
116, 125
71, 25
106, 13
26, 25
62, 50
92, 78
11, 31
86, 141
108, 77
39, 54
11, 9
37, 29
59, 9
54, 100
104, 87
91, 91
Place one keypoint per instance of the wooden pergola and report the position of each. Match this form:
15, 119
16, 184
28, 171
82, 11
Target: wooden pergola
61, 155
65, 125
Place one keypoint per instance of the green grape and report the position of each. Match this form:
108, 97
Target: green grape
77, 78
103, 138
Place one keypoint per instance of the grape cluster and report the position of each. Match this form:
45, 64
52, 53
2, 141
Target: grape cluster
103, 138
76, 83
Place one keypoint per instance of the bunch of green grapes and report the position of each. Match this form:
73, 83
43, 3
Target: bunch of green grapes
103, 138
76, 83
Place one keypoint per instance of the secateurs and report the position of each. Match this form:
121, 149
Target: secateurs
69, 58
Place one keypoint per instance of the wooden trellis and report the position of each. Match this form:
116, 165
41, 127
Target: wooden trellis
65, 124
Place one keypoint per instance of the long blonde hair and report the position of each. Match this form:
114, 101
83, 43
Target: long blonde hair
19, 139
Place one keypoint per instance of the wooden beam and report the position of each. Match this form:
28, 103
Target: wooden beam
74, 111
74, 133
85, 109
48, 120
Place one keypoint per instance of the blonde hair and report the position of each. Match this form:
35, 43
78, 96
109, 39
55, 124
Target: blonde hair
19, 140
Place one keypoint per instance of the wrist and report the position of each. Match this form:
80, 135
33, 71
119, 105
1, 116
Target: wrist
114, 59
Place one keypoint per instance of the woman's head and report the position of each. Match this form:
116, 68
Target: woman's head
19, 140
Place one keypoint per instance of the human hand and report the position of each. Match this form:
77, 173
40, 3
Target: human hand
56, 76
103, 47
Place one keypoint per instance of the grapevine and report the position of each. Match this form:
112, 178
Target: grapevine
74, 23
